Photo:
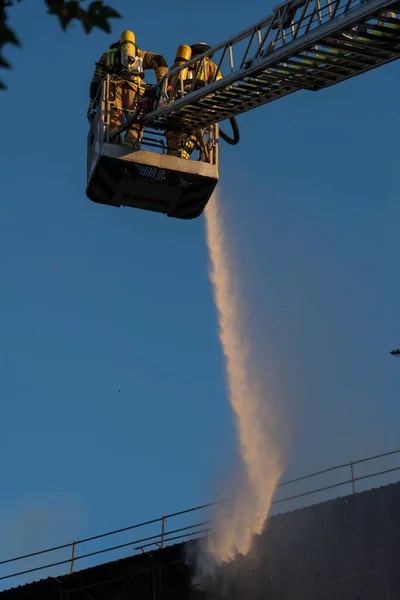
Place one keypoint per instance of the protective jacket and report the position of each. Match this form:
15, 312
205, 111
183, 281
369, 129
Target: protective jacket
182, 144
207, 71
110, 64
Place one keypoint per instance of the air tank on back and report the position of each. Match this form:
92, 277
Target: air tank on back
128, 49
183, 55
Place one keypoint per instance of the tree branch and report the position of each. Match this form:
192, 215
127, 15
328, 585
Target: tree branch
97, 15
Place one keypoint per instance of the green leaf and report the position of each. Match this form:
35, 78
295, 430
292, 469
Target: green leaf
86, 23
65, 20
100, 14
97, 15
110, 13
98, 9
73, 9
7, 36
55, 6
3, 63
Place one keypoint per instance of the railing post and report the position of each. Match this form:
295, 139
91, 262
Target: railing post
73, 557
353, 483
162, 531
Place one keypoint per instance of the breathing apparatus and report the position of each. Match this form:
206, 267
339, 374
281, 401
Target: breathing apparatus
129, 59
185, 53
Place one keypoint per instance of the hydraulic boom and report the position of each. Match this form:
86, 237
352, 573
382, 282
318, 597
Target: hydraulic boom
304, 44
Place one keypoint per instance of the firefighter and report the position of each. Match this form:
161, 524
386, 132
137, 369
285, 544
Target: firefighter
179, 143
127, 64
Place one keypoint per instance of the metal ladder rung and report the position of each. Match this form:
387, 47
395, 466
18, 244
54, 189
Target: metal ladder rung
367, 59
236, 93
366, 37
206, 115
248, 85
265, 83
390, 20
279, 80
281, 71
359, 62
317, 79
223, 96
386, 30
243, 89
328, 67
342, 46
382, 20
385, 51
217, 111
317, 65
211, 110
264, 87
328, 72
216, 100
201, 123
331, 55
267, 89
220, 99
355, 48
300, 80
349, 39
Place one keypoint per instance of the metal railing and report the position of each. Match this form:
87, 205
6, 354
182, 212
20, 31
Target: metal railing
99, 129
198, 529
102, 132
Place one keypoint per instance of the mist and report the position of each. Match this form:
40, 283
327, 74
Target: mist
254, 407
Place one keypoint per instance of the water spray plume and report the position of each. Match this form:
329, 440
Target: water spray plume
255, 417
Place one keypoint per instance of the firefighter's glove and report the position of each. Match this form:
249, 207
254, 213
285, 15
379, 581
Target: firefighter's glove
152, 91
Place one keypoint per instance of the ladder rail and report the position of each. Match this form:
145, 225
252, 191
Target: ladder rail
273, 40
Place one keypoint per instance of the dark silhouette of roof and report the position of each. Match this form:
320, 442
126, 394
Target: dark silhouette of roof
343, 548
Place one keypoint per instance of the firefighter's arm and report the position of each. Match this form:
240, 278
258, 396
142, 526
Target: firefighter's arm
99, 73
172, 80
213, 69
156, 62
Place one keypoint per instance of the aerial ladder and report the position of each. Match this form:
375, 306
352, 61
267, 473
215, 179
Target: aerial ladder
303, 45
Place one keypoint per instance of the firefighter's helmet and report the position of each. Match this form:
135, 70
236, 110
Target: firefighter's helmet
200, 48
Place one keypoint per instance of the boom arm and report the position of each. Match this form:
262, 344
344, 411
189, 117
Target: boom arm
304, 44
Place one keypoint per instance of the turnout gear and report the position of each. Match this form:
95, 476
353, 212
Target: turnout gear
182, 144
124, 96
126, 63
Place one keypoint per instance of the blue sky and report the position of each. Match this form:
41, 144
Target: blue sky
95, 300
